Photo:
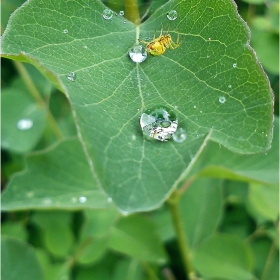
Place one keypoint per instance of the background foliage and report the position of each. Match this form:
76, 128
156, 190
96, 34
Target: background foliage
229, 211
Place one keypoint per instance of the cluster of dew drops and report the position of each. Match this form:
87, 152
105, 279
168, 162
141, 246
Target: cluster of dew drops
155, 123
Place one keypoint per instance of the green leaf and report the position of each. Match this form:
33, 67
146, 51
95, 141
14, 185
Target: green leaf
18, 260
127, 269
110, 92
201, 209
23, 121
96, 273
14, 229
136, 236
217, 161
59, 241
265, 200
57, 178
224, 256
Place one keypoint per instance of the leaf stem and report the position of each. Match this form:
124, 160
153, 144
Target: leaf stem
173, 203
132, 11
150, 273
37, 96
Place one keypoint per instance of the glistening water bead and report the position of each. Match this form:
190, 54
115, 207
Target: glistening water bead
172, 15
107, 14
180, 135
159, 123
137, 53
71, 77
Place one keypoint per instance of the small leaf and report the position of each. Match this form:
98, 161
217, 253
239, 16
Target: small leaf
59, 241
23, 121
201, 209
18, 260
14, 229
224, 256
56, 178
136, 237
127, 269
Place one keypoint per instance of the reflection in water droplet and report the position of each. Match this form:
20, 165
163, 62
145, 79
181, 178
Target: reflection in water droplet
121, 13
159, 123
109, 199
180, 135
222, 99
137, 53
65, 31
71, 77
234, 65
47, 201
107, 14
172, 15
82, 199
24, 124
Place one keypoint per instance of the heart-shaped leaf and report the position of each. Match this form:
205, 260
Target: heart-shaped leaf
212, 81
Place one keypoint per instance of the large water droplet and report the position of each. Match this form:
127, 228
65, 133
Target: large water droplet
222, 99
159, 123
82, 199
107, 14
172, 15
71, 77
24, 124
180, 135
137, 53
121, 13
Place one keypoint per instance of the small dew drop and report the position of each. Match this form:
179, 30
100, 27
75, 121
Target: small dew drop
24, 124
85, 47
82, 199
200, 112
71, 77
137, 53
234, 65
172, 15
180, 135
65, 31
124, 21
30, 194
47, 201
194, 106
222, 99
209, 39
109, 199
208, 56
133, 137
266, 135
121, 13
107, 14
229, 86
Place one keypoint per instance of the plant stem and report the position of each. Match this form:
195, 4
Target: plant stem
132, 11
37, 96
173, 203
150, 273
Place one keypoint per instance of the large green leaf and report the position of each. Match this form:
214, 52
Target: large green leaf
110, 91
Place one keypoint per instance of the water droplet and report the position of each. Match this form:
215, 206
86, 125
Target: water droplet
234, 65
24, 124
137, 53
222, 99
121, 13
209, 39
200, 112
194, 106
159, 123
65, 31
180, 135
229, 86
109, 199
133, 137
266, 135
82, 199
71, 77
85, 47
208, 56
172, 15
47, 201
124, 21
107, 14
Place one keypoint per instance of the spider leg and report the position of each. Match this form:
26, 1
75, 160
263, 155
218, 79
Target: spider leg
143, 42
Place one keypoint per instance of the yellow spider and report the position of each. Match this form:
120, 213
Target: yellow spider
159, 45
